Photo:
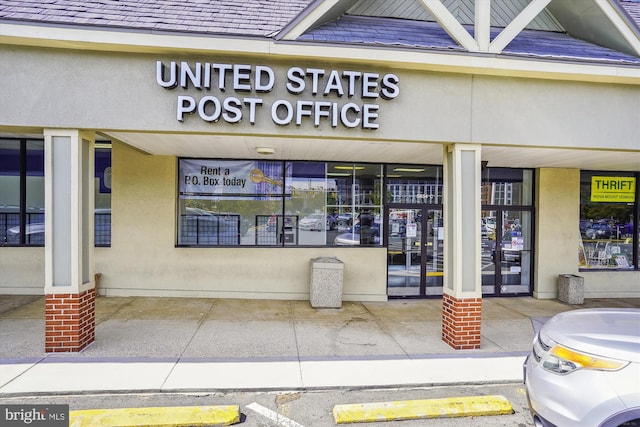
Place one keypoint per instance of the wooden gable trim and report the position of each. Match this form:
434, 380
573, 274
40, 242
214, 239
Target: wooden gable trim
451, 25
517, 25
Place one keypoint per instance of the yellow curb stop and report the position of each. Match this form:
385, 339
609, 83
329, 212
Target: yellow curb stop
156, 417
470, 406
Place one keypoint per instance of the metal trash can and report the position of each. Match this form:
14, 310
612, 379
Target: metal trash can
326, 282
571, 289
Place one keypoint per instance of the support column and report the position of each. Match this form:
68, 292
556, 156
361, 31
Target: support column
69, 283
462, 299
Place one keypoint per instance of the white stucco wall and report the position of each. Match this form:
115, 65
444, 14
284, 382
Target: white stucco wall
143, 259
557, 217
557, 241
21, 271
611, 284
118, 91
532, 112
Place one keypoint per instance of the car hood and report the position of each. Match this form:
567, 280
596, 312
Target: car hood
348, 238
312, 219
608, 332
34, 228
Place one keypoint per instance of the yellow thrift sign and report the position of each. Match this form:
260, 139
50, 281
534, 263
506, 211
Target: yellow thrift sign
613, 189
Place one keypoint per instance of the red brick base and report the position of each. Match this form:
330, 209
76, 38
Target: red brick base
70, 321
461, 321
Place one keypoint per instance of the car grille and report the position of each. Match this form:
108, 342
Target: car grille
539, 349
544, 346
536, 355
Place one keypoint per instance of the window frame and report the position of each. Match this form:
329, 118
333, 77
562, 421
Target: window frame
23, 208
591, 259
284, 217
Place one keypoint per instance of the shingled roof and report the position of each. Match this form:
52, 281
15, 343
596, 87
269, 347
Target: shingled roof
632, 7
265, 18
229, 17
402, 33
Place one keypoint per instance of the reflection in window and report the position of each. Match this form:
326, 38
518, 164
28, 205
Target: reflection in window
414, 184
608, 231
260, 203
307, 220
230, 203
102, 194
507, 187
355, 203
22, 192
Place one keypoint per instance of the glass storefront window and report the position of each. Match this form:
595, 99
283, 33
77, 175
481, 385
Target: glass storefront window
260, 203
507, 187
102, 194
608, 220
34, 193
307, 220
230, 203
9, 191
414, 184
503, 187
355, 203
22, 192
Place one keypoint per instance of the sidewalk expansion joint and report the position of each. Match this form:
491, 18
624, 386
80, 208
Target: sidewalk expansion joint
469, 406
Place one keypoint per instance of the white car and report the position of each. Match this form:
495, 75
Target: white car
584, 369
313, 222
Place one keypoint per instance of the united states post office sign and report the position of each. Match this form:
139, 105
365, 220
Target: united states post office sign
613, 189
322, 97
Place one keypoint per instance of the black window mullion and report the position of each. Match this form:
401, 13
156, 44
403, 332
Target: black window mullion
23, 192
280, 232
635, 235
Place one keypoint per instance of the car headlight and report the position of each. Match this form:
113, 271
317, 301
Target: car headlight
562, 360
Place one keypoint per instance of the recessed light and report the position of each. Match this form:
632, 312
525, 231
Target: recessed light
267, 151
349, 168
408, 170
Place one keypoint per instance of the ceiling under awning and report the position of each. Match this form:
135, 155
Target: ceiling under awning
244, 146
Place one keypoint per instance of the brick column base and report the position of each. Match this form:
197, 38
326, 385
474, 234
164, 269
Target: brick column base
461, 321
70, 321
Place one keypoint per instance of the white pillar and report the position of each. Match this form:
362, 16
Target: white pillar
69, 212
462, 299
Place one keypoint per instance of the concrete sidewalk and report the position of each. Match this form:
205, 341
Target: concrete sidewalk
175, 344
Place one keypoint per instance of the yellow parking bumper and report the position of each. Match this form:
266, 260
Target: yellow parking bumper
418, 409
156, 417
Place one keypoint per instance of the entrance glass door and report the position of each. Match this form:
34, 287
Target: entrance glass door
506, 252
415, 250
434, 253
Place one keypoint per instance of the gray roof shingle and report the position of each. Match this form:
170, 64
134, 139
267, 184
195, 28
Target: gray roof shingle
264, 18
258, 18
632, 7
374, 31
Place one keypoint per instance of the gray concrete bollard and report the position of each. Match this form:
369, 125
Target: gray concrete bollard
326, 282
571, 288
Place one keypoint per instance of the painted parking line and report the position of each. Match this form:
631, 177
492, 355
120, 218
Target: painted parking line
469, 406
156, 417
273, 416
